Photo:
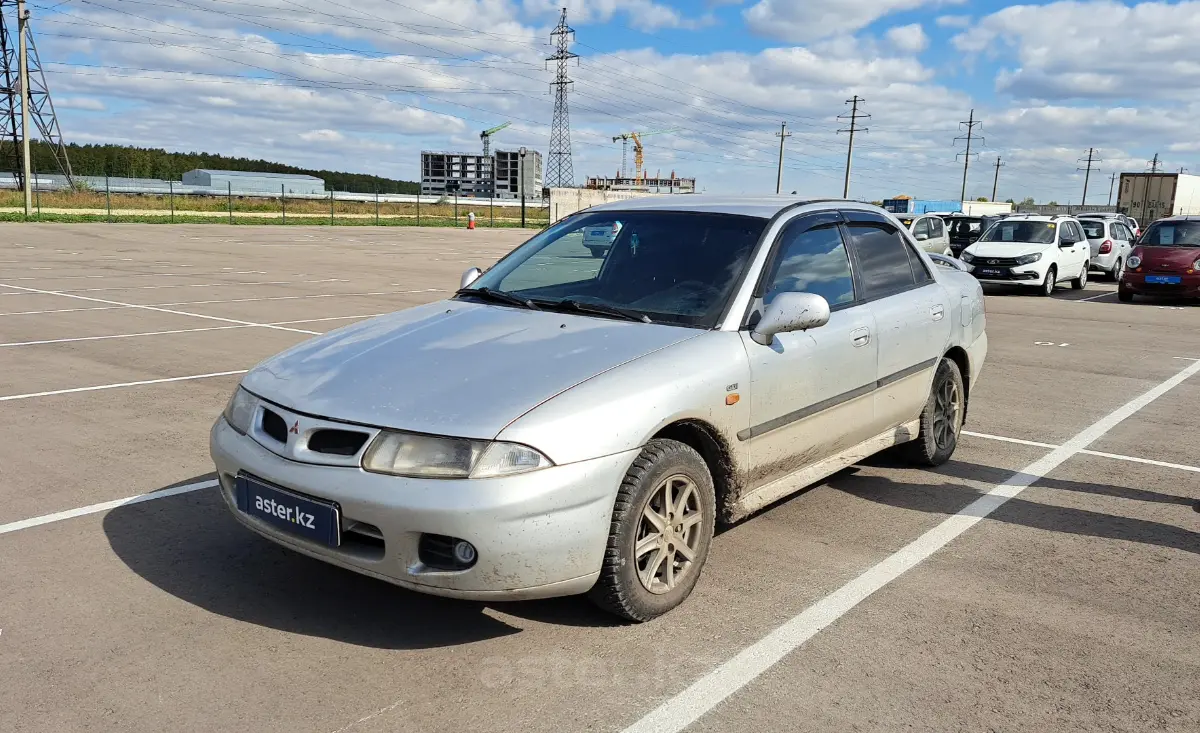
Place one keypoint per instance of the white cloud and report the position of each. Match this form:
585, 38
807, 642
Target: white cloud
799, 21
908, 38
324, 136
645, 15
90, 104
953, 21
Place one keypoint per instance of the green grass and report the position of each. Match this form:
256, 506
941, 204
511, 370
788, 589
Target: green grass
292, 220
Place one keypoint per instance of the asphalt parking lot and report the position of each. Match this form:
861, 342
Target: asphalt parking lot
878, 600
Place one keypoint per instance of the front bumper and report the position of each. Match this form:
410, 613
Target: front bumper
538, 535
1187, 287
1032, 274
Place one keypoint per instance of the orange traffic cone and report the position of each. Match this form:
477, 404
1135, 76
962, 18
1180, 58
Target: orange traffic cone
471, 220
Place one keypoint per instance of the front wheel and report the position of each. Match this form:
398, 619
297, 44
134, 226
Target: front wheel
662, 526
1118, 270
1124, 295
1080, 282
941, 420
1048, 284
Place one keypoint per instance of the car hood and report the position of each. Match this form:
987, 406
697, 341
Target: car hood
1005, 249
452, 367
1173, 259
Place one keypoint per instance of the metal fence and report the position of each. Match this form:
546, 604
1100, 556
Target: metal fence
1066, 210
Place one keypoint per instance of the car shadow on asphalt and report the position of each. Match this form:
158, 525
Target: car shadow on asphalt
950, 497
190, 546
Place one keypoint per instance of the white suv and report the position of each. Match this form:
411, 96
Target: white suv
1031, 250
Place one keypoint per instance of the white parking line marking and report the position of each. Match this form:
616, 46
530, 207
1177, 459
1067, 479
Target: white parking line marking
161, 310
1018, 441
105, 506
332, 318
187, 285
132, 274
306, 297
119, 336
710, 690
97, 388
1096, 297
65, 310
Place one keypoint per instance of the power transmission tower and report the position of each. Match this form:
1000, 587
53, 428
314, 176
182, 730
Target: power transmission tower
14, 116
1112, 180
971, 124
996, 178
1091, 158
559, 171
1154, 164
854, 117
783, 134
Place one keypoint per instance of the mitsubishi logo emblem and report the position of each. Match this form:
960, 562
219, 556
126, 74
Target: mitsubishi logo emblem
295, 429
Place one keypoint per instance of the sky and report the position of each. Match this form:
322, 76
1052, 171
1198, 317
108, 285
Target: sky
364, 86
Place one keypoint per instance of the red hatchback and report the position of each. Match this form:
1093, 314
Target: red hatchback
1164, 261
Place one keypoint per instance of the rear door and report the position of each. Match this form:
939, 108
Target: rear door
1074, 257
911, 311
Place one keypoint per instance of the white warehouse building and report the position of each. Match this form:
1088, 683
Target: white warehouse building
251, 182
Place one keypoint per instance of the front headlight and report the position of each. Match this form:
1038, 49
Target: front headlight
429, 456
1135, 262
967, 257
239, 413
1029, 259
1196, 265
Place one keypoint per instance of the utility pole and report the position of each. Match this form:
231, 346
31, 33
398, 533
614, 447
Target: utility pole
783, 134
971, 124
996, 178
1154, 164
854, 117
1112, 180
1091, 158
23, 80
559, 171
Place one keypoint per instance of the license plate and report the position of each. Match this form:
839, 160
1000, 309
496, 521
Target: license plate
990, 272
1164, 279
318, 521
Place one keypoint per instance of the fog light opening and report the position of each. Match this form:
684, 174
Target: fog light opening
464, 552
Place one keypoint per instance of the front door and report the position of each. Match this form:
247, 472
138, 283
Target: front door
911, 311
811, 390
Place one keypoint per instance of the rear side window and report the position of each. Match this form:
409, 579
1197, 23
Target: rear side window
813, 261
883, 259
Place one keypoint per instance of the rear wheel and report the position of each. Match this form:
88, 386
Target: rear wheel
596, 251
1080, 282
661, 529
1048, 284
941, 420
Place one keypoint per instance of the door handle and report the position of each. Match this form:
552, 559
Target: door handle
938, 312
860, 337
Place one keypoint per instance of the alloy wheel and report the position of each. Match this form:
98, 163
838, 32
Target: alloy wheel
945, 414
1119, 270
668, 534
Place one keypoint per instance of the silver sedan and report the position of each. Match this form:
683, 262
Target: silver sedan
575, 424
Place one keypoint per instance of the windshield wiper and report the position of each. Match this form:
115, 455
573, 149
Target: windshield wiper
599, 310
499, 296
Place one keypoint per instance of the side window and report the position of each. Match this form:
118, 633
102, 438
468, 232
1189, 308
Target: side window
922, 227
1079, 237
935, 228
812, 261
920, 274
882, 258
1124, 233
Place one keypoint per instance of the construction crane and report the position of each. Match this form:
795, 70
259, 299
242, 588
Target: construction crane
638, 158
486, 137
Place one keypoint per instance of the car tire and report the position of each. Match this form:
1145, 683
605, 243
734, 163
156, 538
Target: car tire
1118, 270
597, 252
1124, 295
1048, 284
941, 420
1080, 282
628, 586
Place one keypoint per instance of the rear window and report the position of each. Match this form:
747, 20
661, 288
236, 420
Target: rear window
965, 227
1037, 232
1172, 234
1092, 228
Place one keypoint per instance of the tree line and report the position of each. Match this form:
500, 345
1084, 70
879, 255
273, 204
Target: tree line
133, 162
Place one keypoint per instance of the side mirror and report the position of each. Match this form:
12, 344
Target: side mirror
1066, 242
947, 262
922, 237
470, 276
791, 312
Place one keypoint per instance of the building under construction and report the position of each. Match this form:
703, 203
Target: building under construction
481, 176
673, 184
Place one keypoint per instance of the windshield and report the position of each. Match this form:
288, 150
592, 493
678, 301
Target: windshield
1172, 234
674, 267
1037, 232
1092, 228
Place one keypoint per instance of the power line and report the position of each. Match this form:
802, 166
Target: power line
854, 117
971, 124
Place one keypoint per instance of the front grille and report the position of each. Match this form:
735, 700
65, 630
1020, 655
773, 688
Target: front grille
336, 442
996, 262
436, 551
274, 425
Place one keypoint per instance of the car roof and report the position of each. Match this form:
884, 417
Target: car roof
1100, 215
1180, 217
1039, 217
760, 206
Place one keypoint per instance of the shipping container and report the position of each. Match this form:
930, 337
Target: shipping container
1150, 196
919, 206
986, 208
897, 206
